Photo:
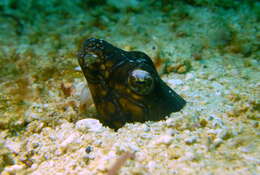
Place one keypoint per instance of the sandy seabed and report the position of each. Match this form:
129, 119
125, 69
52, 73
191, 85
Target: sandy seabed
210, 56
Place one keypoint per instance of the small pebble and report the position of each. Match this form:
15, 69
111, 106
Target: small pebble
78, 68
69, 140
13, 169
88, 157
191, 140
217, 142
189, 76
166, 140
189, 156
175, 82
89, 125
89, 149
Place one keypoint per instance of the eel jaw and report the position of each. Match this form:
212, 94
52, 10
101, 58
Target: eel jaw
88, 60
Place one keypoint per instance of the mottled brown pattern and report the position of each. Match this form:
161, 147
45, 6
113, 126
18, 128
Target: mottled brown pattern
118, 98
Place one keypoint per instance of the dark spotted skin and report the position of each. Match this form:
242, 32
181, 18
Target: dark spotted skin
107, 69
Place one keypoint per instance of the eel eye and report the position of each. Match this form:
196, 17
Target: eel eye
141, 82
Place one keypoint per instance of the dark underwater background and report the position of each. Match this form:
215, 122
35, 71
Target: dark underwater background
208, 51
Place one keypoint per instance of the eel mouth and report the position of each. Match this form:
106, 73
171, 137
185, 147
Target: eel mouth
90, 59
